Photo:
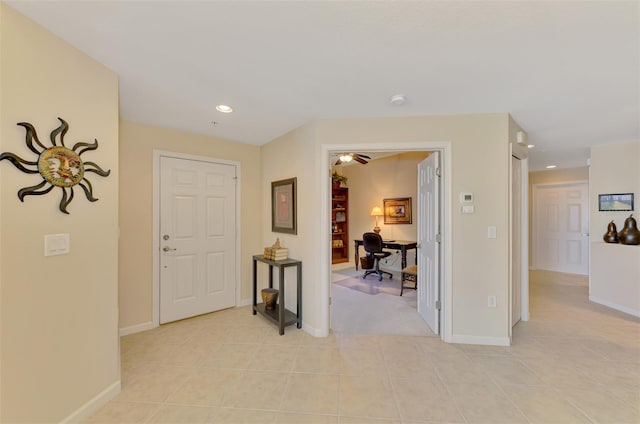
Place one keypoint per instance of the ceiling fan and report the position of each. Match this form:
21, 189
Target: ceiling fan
348, 157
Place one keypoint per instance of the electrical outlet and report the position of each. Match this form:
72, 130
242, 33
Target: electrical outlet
491, 301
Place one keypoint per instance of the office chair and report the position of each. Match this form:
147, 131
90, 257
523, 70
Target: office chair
372, 244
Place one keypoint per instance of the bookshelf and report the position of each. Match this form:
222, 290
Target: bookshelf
339, 225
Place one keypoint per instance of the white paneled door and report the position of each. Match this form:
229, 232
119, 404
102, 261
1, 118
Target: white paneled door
428, 241
561, 228
197, 237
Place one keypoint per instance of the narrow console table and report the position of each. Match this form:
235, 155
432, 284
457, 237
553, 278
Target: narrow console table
280, 315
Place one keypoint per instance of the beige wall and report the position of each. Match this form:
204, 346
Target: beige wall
480, 157
614, 169
292, 155
1, 146
557, 176
386, 178
137, 142
1, 253
59, 321
615, 268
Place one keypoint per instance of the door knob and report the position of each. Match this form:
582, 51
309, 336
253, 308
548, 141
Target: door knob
167, 249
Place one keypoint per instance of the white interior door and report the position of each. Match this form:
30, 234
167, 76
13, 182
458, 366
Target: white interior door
197, 237
429, 246
562, 227
516, 243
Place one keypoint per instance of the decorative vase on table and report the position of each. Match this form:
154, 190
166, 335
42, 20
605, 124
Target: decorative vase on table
611, 236
630, 233
269, 297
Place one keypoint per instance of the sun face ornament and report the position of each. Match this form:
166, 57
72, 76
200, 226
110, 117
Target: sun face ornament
58, 165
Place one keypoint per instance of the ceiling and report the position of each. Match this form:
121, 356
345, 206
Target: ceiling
568, 72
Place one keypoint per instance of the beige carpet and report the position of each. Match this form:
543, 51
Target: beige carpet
373, 307
371, 285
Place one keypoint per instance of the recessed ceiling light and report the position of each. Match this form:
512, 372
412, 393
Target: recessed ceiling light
397, 99
550, 166
224, 108
531, 146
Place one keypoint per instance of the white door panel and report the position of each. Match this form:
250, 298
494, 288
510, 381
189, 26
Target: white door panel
561, 228
197, 237
429, 247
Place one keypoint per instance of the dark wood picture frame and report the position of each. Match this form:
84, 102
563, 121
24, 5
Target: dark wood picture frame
283, 206
397, 211
615, 202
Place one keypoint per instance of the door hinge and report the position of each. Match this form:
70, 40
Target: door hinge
329, 300
438, 172
438, 238
438, 305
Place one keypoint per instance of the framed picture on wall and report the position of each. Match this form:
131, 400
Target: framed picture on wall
397, 211
615, 202
283, 206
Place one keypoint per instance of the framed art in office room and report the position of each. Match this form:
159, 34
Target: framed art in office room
283, 206
615, 202
397, 211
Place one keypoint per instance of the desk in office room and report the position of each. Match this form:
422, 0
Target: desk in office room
401, 245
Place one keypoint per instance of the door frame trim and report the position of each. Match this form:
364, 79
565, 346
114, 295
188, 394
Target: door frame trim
523, 230
446, 220
157, 154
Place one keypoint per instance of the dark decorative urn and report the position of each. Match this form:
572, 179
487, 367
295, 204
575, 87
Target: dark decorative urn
269, 297
611, 236
630, 233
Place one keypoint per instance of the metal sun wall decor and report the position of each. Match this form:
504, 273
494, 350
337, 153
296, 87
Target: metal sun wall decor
58, 165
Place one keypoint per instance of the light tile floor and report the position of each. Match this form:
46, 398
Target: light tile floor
573, 362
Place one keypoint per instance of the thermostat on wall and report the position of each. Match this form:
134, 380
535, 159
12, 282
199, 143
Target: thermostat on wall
466, 197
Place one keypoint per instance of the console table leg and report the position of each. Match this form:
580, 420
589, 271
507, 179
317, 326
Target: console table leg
255, 285
299, 294
281, 302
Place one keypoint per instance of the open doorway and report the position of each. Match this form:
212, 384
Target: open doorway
382, 181
362, 301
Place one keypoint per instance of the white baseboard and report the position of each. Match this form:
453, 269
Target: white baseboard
617, 307
136, 328
480, 340
94, 404
315, 332
244, 302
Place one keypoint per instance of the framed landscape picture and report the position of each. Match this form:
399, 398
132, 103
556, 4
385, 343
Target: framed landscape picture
283, 206
397, 211
615, 202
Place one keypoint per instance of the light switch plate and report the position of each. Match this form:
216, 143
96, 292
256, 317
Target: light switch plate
491, 301
468, 209
491, 232
56, 244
